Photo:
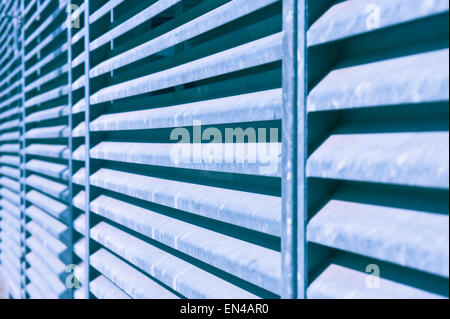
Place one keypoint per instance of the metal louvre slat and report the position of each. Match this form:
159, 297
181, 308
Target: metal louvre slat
349, 18
370, 85
224, 149
256, 264
10, 123
254, 211
162, 155
174, 272
131, 281
45, 136
383, 176
249, 55
417, 159
260, 106
102, 288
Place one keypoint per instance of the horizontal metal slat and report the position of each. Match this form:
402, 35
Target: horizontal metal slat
53, 262
131, 281
102, 288
410, 238
52, 280
254, 211
79, 223
33, 291
36, 14
80, 153
53, 245
10, 148
41, 284
10, 183
187, 279
48, 114
10, 124
11, 208
48, 132
339, 282
103, 10
10, 136
133, 22
43, 43
50, 205
416, 159
44, 61
209, 21
12, 197
48, 150
240, 158
10, 112
79, 130
48, 168
49, 187
80, 248
388, 82
10, 171
47, 222
11, 222
47, 96
10, 160
75, 38
353, 17
79, 177
40, 81
259, 52
78, 59
258, 106
258, 265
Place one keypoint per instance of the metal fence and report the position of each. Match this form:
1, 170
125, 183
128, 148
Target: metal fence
224, 148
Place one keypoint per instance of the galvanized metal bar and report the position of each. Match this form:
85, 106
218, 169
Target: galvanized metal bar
253, 263
189, 280
301, 148
289, 139
23, 159
87, 145
70, 141
254, 211
349, 18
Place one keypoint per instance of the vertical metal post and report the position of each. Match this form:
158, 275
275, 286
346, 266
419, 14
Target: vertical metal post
22, 156
87, 146
289, 135
302, 148
69, 142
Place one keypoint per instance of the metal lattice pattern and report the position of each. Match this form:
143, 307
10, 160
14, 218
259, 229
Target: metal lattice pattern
116, 118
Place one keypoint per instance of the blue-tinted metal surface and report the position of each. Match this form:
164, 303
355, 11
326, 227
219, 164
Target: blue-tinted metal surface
337, 186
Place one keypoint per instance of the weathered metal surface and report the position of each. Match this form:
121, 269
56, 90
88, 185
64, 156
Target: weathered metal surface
416, 159
102, 288
131, 281
55, 170
410, 238
213, 19
250, 262
339, 282
354, 17
258, 106
388, 82
249, 55
249, 210
189, 280
244, 158
98, 102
